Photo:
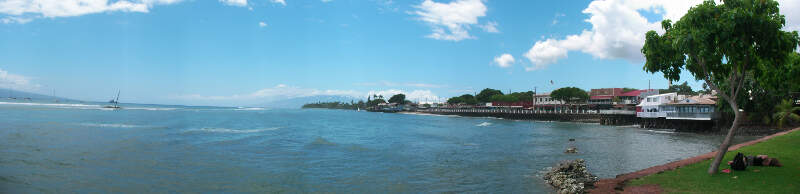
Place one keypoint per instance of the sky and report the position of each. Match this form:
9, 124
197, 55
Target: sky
244, 52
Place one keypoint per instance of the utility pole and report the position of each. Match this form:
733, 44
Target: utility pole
533, 99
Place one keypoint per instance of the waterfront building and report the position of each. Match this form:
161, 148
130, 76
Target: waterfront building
617, 98
677, 107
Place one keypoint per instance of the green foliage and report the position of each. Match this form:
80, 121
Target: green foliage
756, 179
375, 102
683, 89
398, 98
337, 105
570, 95
466, 99
785, 112
486, 95
504, 98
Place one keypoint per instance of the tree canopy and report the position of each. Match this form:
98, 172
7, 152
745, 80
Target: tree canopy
683, 89
569, 95
466, 99
486, 95
722, 45
398, 98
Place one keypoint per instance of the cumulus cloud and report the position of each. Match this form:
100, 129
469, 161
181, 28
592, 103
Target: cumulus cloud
17, 82
490, 27
452, 21
282, 2
504, 60
21, 11
617, 32
789, 9
240, 3
262, 24
618, 29
393, 84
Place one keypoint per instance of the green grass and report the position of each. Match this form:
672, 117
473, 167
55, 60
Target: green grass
756, 179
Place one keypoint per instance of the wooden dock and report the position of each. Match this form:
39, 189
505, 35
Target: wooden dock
589, 116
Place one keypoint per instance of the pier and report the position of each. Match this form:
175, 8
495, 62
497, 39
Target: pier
604, 117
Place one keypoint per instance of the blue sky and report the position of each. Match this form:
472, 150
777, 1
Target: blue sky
248, 52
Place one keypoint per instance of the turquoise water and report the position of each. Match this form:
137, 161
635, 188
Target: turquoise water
51, 147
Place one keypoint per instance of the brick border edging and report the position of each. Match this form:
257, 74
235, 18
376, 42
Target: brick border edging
613, 185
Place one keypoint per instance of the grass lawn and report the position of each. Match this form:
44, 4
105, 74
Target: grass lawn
756, 179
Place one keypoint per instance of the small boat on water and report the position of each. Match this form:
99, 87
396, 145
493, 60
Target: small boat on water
115, 103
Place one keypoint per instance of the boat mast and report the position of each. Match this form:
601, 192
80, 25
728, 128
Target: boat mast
116, 102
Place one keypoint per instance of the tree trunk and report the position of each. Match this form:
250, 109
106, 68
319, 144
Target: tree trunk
727, 142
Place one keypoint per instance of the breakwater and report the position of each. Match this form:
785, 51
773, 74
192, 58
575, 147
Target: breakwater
588, 116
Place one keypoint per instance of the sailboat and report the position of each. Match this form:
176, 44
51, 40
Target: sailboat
115, 102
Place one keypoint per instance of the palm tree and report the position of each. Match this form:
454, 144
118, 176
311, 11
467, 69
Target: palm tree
785, 112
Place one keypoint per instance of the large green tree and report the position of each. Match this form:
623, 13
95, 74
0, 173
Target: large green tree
398, 98
721, 45
683, 88
569, 95
486, 95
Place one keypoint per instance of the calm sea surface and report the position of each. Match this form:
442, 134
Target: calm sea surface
52, 147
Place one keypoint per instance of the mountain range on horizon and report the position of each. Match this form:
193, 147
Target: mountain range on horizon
9, 93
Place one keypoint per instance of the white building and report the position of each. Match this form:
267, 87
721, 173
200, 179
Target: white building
674, 106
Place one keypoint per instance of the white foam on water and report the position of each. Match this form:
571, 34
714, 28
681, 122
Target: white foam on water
484, 124
249, 108
111, 125
149, 108
226, 130
659, 131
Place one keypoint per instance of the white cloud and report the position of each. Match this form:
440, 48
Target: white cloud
423, 96
618, 29
617, 32
282, 2
451, 21
325, 1
240, 3
16, 82
22, 11
393, 84
789, 9
504, 60
262, 24
490, 27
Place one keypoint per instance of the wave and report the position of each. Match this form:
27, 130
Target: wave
249, 108
150, 108
484, 124
660, 131
111, 125
226, 130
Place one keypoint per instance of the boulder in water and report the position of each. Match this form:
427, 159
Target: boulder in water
571, 150
570, 177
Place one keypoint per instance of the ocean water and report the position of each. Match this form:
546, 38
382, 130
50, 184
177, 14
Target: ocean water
72, 147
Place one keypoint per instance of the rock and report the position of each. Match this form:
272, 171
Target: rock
571, 150
571, 139
570, 177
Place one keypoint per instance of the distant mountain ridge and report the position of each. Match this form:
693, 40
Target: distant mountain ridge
6, 93
300, 101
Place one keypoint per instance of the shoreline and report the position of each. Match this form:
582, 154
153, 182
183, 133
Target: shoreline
618, 184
